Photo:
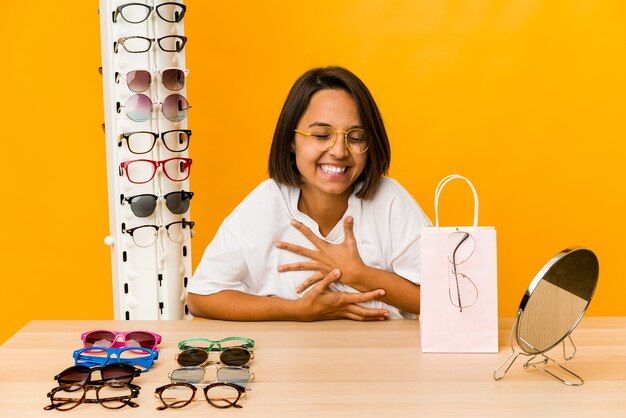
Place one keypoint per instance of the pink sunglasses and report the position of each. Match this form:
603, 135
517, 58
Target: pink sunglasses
112, 339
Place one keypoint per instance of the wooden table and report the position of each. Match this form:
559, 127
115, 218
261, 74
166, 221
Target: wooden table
336, 369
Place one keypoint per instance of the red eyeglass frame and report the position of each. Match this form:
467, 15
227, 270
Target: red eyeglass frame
186, 165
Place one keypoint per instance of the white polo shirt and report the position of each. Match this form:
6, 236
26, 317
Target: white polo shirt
243, 256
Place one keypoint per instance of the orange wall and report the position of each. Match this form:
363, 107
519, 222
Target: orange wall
526, 98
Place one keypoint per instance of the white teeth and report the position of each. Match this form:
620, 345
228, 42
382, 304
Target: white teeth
332, 169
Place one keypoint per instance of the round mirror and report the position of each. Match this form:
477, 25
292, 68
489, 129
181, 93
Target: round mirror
552, 307
556, 300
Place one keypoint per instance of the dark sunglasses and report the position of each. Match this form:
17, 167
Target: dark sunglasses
81, 375
143, 205
232, 356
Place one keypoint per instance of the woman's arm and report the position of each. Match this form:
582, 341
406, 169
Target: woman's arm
319, 303
399, 292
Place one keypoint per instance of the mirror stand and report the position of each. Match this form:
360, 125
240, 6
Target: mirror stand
541, 363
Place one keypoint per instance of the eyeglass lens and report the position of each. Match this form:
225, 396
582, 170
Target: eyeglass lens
137, 12
192, 357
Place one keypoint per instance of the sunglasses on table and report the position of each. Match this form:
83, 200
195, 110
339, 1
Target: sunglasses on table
146, 235
142, 142
113, 339
240, 376
139, 44
219, 395
143, 205
137, 12
142, 170
139, 107
140, 80
82, 375
216, 345
232, 356
142, 358
110, 395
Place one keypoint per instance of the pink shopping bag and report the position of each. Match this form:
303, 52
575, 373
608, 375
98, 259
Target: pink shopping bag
459, 290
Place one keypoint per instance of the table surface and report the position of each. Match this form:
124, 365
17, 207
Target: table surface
337, 369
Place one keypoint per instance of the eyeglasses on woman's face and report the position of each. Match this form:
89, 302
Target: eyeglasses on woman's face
324, 138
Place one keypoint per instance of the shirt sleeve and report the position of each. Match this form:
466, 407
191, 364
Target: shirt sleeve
406, 222
223, 266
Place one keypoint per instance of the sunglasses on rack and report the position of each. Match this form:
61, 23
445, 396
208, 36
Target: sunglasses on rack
139, 107
142, 171
146, 235
233, 356
139, 44
219, 395
82, 375
142, 142
227, 374
142, 358
110, 395
141, 80
136, 12
112, 339
143, 205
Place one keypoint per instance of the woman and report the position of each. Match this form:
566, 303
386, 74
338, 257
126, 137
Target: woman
327, 236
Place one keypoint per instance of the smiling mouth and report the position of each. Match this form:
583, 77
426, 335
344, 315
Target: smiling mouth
331, 169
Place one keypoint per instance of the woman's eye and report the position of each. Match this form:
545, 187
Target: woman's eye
321, 137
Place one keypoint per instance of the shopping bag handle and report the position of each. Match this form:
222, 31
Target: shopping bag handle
440, 186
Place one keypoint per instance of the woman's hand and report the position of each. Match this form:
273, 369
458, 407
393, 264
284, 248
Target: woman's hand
325, 257
321, 303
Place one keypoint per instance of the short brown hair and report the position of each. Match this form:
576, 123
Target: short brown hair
282, 167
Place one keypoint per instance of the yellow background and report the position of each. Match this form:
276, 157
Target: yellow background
526, 98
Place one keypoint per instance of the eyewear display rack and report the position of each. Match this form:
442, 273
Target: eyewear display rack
149, 278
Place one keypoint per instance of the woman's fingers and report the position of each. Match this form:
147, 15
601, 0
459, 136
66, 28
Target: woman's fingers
304, 230
300, 266
316, 277
296, 249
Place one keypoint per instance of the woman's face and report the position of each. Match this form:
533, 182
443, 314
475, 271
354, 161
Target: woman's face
331, 172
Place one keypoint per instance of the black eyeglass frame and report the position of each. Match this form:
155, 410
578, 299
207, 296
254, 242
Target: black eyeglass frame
121, 41
178, 17
155, 136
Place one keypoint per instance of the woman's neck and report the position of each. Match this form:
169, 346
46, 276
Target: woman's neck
326, 210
